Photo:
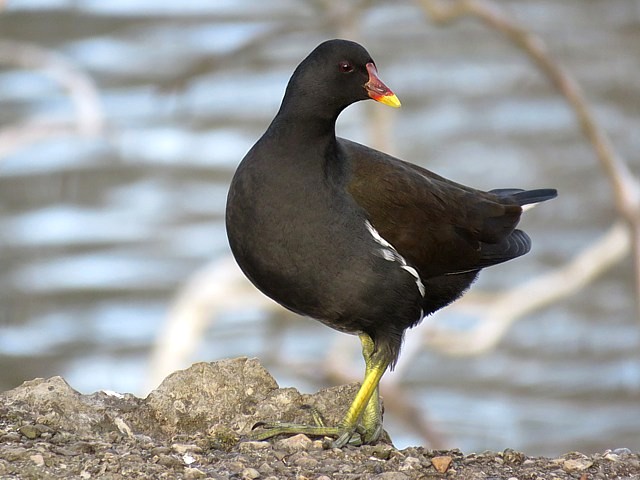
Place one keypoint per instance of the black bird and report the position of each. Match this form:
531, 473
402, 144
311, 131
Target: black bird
364, 242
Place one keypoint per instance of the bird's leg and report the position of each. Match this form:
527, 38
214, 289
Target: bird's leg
364, 416
365, 407
372, 416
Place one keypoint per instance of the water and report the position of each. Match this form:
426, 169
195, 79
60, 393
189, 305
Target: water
97, 232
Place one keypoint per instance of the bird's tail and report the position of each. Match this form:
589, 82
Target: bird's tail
527, 198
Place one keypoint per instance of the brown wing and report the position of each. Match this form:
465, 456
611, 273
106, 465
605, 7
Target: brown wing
439, 226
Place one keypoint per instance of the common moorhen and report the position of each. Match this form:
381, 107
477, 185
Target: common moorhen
357, 239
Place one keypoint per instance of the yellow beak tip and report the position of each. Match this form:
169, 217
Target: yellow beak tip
390, 100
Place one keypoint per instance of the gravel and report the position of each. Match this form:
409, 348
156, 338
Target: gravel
194, 426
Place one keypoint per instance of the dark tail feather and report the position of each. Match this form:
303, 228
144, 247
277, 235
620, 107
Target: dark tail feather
515, 245
526, 197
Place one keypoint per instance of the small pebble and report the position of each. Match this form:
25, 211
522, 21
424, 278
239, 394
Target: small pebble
37, 459
168, 461
622, 451
513, 457
13, 453
266, 469
410, 463
29, 431
391, 476
11, 437
235, 467
252, 446
182, 448
193, 473
576, 465
382, 451
250, 473
442, 463
306, 462
295, 443
160, 451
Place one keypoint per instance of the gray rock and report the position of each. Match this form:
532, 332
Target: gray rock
225, 392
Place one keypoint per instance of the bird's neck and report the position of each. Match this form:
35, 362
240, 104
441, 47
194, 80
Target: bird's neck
304, 125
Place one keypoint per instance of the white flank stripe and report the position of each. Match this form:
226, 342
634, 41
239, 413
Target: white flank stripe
388, 252
414, 272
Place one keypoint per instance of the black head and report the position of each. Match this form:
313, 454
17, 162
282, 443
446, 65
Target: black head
334, 75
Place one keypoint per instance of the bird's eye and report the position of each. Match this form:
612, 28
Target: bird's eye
345, 67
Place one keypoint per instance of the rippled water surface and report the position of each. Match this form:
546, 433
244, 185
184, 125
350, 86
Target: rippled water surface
100, 227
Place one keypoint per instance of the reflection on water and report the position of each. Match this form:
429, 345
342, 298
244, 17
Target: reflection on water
96, 233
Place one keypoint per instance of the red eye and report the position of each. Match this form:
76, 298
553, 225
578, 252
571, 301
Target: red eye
345, 67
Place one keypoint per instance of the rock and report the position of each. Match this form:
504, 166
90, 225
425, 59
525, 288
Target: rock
38, 459
382, 451
14, 453
576, 464
622, 451
29, 431
250, 473
169, 461
410, 463
512, 457
73, 410
182, 448
441, 463
306, 462
192, 400
253, 446
294, 444
193, 473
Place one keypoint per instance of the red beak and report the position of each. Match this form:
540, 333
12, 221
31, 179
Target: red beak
378, 90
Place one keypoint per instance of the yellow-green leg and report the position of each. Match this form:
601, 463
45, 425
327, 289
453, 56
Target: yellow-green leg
363, 419
372, 416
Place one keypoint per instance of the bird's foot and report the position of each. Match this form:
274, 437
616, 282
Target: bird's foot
344, 435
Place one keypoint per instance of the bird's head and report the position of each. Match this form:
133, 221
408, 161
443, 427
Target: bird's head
336, 74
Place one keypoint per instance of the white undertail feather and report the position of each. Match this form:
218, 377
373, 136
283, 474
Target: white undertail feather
388, 252
529, 206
